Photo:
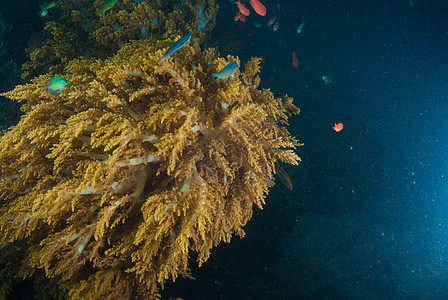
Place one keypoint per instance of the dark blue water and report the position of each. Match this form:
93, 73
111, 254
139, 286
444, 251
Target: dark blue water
368, 215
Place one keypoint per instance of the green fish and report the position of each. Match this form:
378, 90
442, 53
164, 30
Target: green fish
46, 6
108, 4
57, 84
327, 79
225, 72
257, 24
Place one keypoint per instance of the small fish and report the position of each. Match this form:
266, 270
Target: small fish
46, 6
269, 79
108, 4
36, 40
295, 61
282, 175
300, 28
258, 7
257, 24
239, 16
338, 127
275, 26
145, 33
263, 60
327, 79
225, 72
419, 4
57, 84
175, 46
243, 9
134, 73
271, 21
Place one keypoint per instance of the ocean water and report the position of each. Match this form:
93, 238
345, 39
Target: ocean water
368, 215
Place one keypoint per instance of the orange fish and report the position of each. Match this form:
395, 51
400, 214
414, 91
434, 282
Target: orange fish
271, 21
258, 7
240, 16
263, 60
338, 127
269, 79
295, 61
243, 9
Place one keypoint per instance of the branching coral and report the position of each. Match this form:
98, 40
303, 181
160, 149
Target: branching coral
75, 30
110, 185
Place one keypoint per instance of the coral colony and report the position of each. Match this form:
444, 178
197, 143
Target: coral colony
108, 184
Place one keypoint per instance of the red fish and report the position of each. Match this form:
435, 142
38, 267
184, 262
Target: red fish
258, 7
361, 135
295, 61
271, 21
243, 9
269, 79
263, 60
338, 127
240, 16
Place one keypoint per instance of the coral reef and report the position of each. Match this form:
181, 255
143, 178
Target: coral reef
107, 187
75, 30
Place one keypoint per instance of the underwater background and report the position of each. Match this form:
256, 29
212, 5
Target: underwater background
368, 215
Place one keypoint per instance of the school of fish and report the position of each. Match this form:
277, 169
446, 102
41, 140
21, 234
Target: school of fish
260, 9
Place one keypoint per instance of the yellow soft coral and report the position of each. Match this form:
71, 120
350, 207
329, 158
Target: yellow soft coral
74, 30
108, 186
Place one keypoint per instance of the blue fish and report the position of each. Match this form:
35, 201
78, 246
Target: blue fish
57, 84
176, 46
225, 72
300, 28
